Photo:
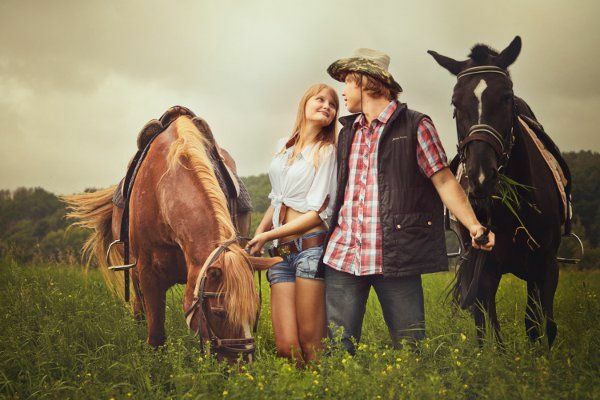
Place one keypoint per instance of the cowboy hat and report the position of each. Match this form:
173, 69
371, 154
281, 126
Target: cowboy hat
365, 61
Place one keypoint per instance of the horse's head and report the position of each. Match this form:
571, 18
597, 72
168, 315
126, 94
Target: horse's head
483, 103
224, 305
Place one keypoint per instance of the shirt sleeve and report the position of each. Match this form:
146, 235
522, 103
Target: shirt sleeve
431, 156
276, 149
323, 187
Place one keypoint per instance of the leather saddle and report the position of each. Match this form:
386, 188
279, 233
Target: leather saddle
232, 186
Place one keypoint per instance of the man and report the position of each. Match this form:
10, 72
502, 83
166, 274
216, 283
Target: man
387, 222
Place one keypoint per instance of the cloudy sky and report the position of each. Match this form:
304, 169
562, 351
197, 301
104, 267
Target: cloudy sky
78, 79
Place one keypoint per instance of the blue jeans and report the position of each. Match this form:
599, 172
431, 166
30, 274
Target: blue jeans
401, 301
303, 264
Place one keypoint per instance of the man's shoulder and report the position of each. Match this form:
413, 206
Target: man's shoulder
416, 115
347, 121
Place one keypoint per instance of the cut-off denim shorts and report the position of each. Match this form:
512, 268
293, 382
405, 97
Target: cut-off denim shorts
303, 264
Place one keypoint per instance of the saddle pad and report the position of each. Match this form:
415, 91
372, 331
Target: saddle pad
557, 172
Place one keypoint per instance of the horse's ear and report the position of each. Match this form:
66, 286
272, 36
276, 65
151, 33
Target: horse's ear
449, 63
263, 263
509, 54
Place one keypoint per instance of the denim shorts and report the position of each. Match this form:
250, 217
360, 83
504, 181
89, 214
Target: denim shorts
303, 264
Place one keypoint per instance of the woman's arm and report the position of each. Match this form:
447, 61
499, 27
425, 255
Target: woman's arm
301, 224
266, 224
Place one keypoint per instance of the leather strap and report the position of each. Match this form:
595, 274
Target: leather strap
287, 248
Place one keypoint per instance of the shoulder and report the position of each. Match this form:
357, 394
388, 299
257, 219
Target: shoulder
280, 143
416, 116
327, 150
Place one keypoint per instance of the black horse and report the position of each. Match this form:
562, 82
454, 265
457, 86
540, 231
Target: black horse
492, 142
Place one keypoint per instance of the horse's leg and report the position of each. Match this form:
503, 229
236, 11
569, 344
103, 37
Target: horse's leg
486, 303
155, 295
138, 304
533, 318
548, 289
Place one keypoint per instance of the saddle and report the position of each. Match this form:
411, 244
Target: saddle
549, 151
236, 193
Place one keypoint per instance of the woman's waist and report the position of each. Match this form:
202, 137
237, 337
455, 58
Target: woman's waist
288, 215
304, 241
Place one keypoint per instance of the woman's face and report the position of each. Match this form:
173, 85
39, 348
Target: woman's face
320, 108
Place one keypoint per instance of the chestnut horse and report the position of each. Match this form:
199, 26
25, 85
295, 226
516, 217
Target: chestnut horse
180, 233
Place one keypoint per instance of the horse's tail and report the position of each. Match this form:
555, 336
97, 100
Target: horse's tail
94, 210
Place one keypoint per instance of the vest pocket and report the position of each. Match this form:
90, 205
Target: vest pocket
414, 238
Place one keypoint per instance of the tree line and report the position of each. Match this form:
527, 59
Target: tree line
33, 227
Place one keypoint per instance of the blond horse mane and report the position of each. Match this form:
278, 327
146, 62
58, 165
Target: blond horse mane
189, 151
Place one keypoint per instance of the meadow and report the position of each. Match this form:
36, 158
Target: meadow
62, 335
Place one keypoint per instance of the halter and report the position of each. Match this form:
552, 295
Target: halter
232, 346
484, 132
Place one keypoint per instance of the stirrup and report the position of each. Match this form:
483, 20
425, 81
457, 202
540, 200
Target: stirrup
117, 267
572, 260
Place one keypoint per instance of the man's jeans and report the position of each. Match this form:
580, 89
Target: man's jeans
401, 301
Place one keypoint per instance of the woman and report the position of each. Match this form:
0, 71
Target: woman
303, 181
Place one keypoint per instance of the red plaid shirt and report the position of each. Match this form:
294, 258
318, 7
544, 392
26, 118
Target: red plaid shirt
355, 246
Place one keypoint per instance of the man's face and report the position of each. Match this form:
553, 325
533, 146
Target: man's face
352, 95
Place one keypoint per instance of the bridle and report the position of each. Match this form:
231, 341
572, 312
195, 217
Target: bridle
484, 132
235, 346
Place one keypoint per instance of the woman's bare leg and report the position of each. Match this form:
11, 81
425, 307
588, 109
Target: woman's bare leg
283, 315
310, 314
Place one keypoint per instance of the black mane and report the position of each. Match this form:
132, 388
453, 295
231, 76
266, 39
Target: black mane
481, 54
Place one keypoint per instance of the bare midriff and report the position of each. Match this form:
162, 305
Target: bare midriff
290, 215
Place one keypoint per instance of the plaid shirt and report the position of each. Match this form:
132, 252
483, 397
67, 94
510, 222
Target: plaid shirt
355, 246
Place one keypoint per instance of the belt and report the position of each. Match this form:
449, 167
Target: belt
287, 248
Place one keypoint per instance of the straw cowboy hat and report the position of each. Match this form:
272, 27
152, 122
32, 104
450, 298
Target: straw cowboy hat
365, 61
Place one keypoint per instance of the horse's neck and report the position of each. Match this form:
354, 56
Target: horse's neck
526, 166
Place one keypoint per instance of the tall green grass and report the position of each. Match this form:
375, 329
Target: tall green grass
63, 336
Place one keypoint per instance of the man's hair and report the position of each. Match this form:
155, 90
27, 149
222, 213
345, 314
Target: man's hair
374, 87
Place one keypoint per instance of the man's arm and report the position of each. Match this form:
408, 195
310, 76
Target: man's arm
455, 199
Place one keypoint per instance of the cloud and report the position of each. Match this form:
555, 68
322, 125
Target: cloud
79, 79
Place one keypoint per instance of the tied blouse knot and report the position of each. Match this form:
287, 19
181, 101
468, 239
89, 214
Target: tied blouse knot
298, 184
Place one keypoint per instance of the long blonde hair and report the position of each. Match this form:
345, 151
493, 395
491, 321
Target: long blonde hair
327, 135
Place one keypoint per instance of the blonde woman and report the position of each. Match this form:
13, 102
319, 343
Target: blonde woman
303, 181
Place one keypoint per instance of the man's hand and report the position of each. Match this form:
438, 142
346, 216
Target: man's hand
478, 230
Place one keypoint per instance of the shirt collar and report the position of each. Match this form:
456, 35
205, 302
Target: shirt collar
306, 151
383, 117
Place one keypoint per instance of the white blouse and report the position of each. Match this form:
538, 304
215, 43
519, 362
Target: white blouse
299, 185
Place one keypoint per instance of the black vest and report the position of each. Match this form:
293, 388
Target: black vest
410, 209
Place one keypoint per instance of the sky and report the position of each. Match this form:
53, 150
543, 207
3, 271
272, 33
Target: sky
78, 79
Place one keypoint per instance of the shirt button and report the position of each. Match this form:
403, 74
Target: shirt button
429, 223
398, 226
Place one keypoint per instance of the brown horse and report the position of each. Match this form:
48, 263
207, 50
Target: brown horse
180, 232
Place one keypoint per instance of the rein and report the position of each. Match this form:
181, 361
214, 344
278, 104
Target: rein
201, 296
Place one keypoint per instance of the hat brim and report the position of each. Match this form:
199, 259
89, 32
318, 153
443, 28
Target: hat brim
340, 68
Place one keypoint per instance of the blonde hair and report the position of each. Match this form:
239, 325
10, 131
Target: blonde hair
189, 150
372, 86
327, 135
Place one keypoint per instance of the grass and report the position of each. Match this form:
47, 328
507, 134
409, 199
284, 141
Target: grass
63, 336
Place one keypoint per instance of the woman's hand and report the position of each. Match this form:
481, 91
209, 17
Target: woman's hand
255, 246
478, 230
